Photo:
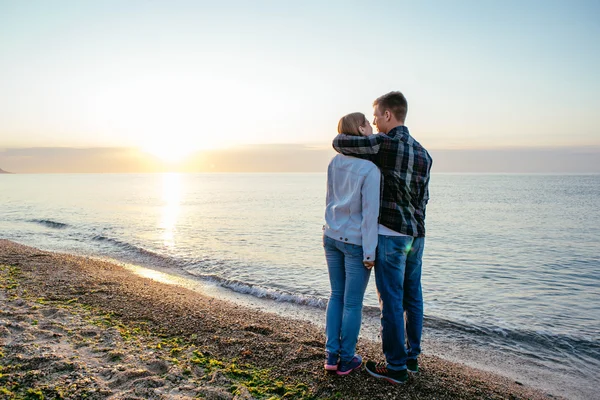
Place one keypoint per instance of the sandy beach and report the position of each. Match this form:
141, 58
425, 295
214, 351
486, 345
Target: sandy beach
72, 327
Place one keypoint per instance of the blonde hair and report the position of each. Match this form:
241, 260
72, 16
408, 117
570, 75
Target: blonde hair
350, 123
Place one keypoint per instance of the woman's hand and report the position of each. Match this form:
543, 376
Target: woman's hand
369, 264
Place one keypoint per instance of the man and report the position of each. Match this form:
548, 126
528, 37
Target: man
405, 166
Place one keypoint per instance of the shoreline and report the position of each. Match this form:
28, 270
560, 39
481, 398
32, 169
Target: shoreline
172, 342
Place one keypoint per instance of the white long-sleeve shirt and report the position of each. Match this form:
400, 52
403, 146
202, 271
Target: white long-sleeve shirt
353, 195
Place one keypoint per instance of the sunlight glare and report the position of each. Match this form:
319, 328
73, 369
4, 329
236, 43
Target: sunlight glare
171, 197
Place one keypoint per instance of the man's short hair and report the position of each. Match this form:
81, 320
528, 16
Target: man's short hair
395, 102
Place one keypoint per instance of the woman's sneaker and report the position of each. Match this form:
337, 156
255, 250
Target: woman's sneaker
331, 365
380, 370
346, 367
412, 365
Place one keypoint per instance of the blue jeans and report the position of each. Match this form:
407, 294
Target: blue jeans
398, 279
348, 278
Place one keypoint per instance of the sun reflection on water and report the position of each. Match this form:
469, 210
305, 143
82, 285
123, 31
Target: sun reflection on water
171, 196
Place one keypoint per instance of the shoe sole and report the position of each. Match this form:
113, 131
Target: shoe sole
330, 368
412, 372
347, 372
387, 378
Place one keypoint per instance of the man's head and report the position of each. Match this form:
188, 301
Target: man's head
389, 111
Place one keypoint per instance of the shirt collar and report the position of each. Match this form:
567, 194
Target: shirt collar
399, 131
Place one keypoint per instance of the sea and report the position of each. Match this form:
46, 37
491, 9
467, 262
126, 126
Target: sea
511, 273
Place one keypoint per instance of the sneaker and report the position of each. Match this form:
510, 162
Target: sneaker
380, 370
346, 367
332, 362
412, 365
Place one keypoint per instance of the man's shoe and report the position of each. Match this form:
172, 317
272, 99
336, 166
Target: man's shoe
380, 370
331, 365
412, 365
346, 367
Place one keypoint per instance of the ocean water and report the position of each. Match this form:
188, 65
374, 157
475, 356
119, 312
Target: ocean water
511, 273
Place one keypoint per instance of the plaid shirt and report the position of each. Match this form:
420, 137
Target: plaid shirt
405, 167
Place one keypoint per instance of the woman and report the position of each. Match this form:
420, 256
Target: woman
350, 240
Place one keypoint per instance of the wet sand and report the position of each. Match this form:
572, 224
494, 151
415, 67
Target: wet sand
72, 327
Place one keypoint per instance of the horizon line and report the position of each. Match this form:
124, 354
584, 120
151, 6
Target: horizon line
325, 144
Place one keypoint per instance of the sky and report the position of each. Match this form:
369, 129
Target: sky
176, 79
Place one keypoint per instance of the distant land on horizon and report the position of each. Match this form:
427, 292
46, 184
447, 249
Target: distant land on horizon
290, 158
4, 172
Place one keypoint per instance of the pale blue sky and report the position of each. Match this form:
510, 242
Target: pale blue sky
186, 75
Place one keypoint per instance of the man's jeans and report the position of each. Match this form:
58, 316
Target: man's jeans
349, 279
398, 279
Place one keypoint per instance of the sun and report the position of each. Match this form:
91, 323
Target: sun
176, 148
169, 152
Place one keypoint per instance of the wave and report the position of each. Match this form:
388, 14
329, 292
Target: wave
159, 260
137, 252
263, 292
530, 343
238, 286
49, 223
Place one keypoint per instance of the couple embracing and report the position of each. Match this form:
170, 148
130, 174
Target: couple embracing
377, 191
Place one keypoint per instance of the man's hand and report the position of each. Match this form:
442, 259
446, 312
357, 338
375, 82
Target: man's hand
369, 264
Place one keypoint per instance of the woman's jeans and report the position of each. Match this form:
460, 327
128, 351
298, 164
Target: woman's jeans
398, 278
348, 278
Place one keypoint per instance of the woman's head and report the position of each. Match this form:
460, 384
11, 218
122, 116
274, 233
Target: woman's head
355, 124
